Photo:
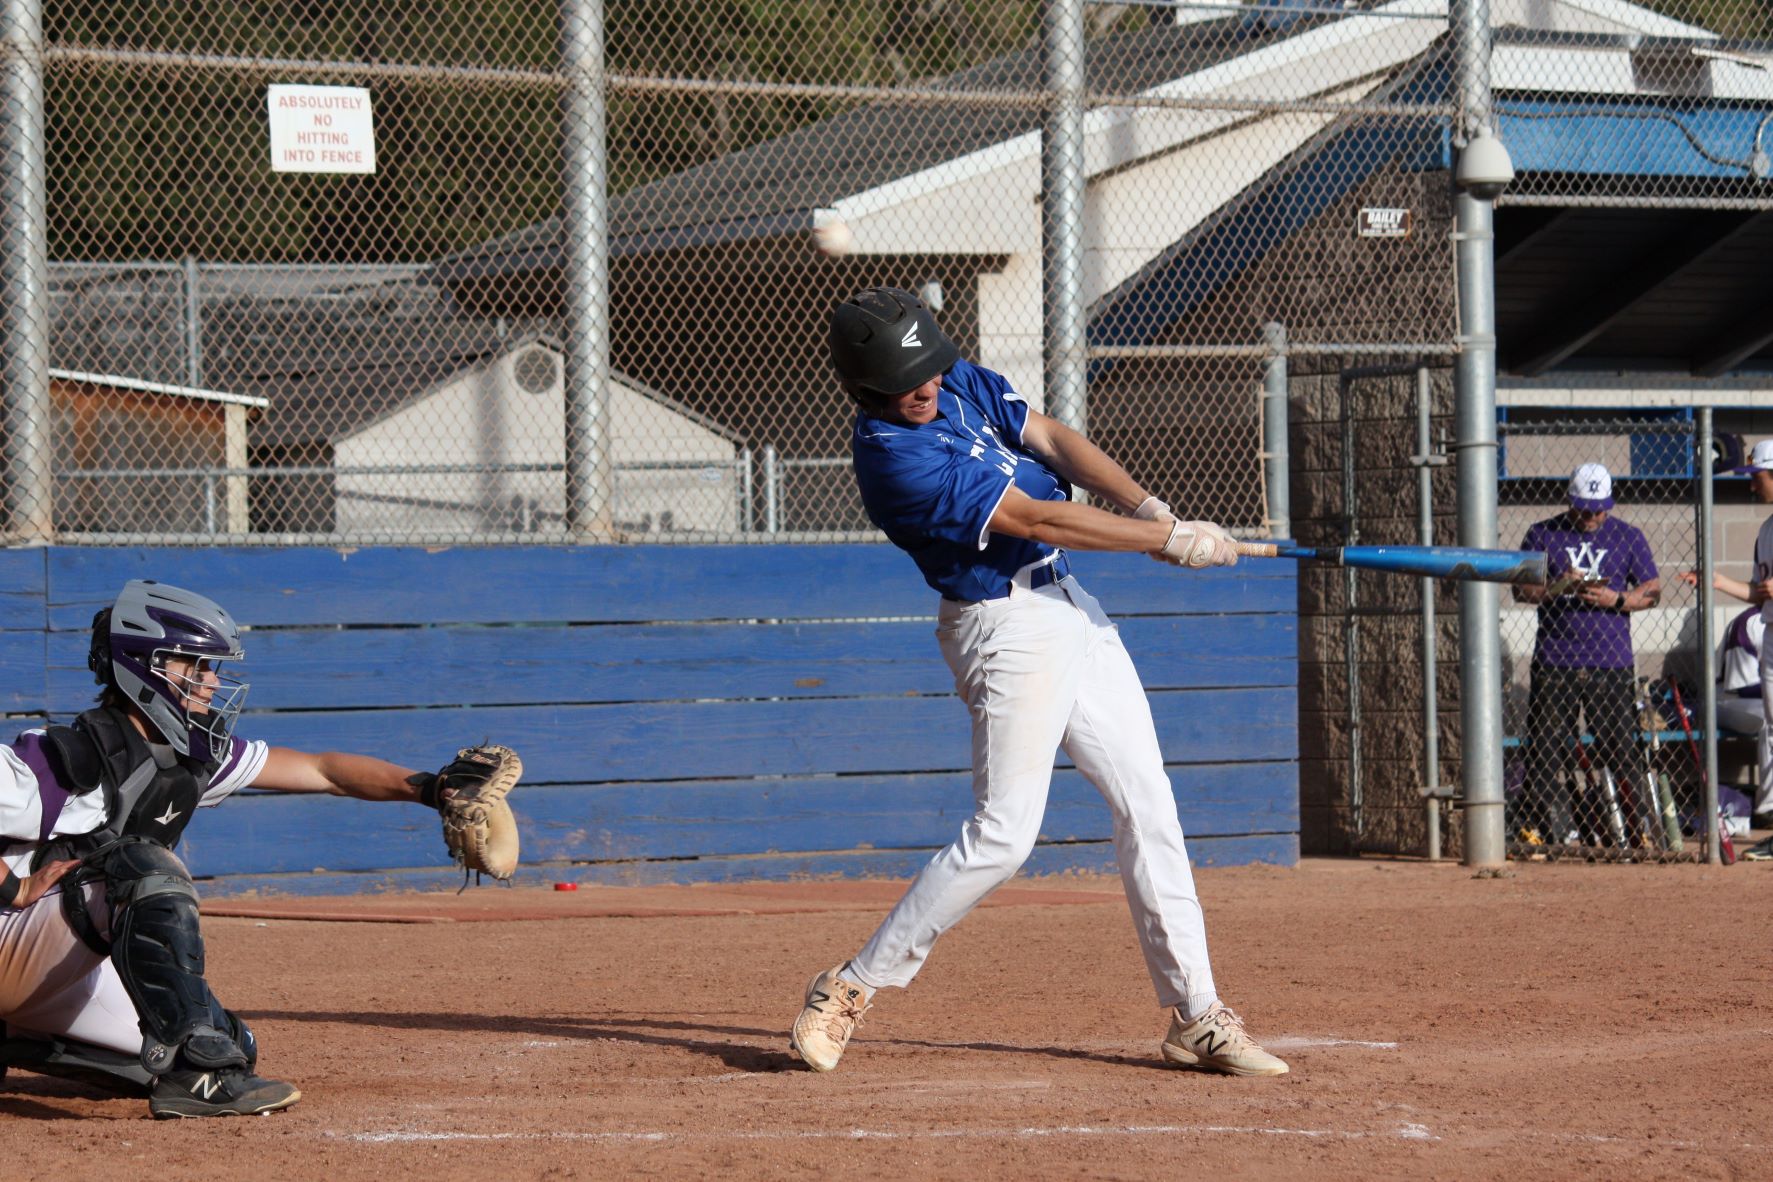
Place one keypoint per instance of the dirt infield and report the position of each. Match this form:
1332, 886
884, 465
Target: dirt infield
1565, 1021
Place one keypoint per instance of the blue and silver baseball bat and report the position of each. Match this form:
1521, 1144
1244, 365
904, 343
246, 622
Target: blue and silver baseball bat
1437, 562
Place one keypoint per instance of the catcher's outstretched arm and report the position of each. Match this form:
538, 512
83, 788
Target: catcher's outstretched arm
338, 772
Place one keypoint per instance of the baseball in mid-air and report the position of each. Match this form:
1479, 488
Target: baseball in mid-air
834, 238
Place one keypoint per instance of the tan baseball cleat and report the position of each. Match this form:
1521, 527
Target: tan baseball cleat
834, 1008
1217, 1041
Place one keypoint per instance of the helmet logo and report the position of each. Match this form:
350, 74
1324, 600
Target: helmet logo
909, 340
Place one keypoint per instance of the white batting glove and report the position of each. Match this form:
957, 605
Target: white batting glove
1152, 509
1197, 544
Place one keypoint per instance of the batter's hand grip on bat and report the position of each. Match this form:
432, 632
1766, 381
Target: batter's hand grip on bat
1436, 562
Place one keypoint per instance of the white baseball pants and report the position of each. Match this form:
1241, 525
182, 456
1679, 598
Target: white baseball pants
52, 983
1040, 670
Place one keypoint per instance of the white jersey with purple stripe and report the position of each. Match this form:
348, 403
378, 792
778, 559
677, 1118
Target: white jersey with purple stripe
933, 487
35, 806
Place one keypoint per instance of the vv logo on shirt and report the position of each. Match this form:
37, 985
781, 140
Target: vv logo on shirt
1585, 557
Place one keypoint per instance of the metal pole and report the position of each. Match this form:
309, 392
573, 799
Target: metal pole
24, 280
1274, 432
193, 325
1708, 646
586, 222
772, 489
1062, 208
1351, 631
747, 513
1426, 462
1474, 380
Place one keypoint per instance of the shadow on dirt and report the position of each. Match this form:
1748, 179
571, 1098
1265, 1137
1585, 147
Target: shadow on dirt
643, 1031
664, 1032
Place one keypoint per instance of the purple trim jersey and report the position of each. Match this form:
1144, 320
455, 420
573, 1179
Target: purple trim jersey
932, 487
1573, 634
35, 806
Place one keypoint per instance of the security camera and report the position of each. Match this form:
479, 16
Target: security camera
1484, 169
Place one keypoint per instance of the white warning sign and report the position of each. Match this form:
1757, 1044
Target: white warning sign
321, 129
1382, 223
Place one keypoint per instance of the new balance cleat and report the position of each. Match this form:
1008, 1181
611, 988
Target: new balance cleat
1217, 1041
226, 1091
834, 1008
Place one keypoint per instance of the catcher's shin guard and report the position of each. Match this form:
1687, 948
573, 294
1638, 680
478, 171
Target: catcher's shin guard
69, 1058
157, 947
242, 1034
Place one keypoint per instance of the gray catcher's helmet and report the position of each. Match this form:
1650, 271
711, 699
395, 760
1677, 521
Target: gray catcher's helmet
131, 641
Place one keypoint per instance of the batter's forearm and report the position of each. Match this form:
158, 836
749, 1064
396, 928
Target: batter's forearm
1078, 527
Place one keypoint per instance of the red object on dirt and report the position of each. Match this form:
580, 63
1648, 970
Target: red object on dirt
566, 886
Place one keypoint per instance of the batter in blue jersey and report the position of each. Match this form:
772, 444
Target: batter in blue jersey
975, 486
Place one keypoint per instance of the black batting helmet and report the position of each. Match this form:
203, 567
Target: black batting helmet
884, 342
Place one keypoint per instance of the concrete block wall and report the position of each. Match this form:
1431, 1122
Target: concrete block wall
1373, 802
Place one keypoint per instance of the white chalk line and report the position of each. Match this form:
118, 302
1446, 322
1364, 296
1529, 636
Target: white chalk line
1288, 1042
1407, 1132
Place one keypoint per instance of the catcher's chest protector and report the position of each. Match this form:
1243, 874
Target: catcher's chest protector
149, 794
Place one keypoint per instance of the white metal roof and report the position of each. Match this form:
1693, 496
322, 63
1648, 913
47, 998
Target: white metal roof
191, 392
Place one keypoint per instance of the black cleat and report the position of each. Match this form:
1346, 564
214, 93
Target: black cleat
226, 1091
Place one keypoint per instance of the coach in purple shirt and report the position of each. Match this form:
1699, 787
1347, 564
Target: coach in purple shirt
1599, 571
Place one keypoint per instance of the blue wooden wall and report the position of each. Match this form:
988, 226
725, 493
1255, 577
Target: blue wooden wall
687, 713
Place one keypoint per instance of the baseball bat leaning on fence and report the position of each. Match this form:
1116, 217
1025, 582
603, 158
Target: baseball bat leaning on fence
1438, 562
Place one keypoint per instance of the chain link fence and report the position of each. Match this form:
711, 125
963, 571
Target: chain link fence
311, 269
1602, 698
319, 272
352, 272
1599, 707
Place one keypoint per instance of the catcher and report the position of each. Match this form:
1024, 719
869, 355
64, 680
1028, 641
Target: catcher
101, 956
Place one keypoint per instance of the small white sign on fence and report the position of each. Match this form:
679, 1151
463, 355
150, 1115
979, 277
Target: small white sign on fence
321, 129
1382, 223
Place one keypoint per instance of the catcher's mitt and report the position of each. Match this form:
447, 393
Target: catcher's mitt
478, 825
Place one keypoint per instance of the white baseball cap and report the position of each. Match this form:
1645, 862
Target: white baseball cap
1759, 460
1591, 488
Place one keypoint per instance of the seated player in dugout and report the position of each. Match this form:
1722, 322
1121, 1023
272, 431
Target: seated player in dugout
101, 955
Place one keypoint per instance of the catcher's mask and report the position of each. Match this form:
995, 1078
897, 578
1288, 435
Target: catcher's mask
885, 342
161, 648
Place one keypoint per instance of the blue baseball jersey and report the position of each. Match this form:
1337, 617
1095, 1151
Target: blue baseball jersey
933, 487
